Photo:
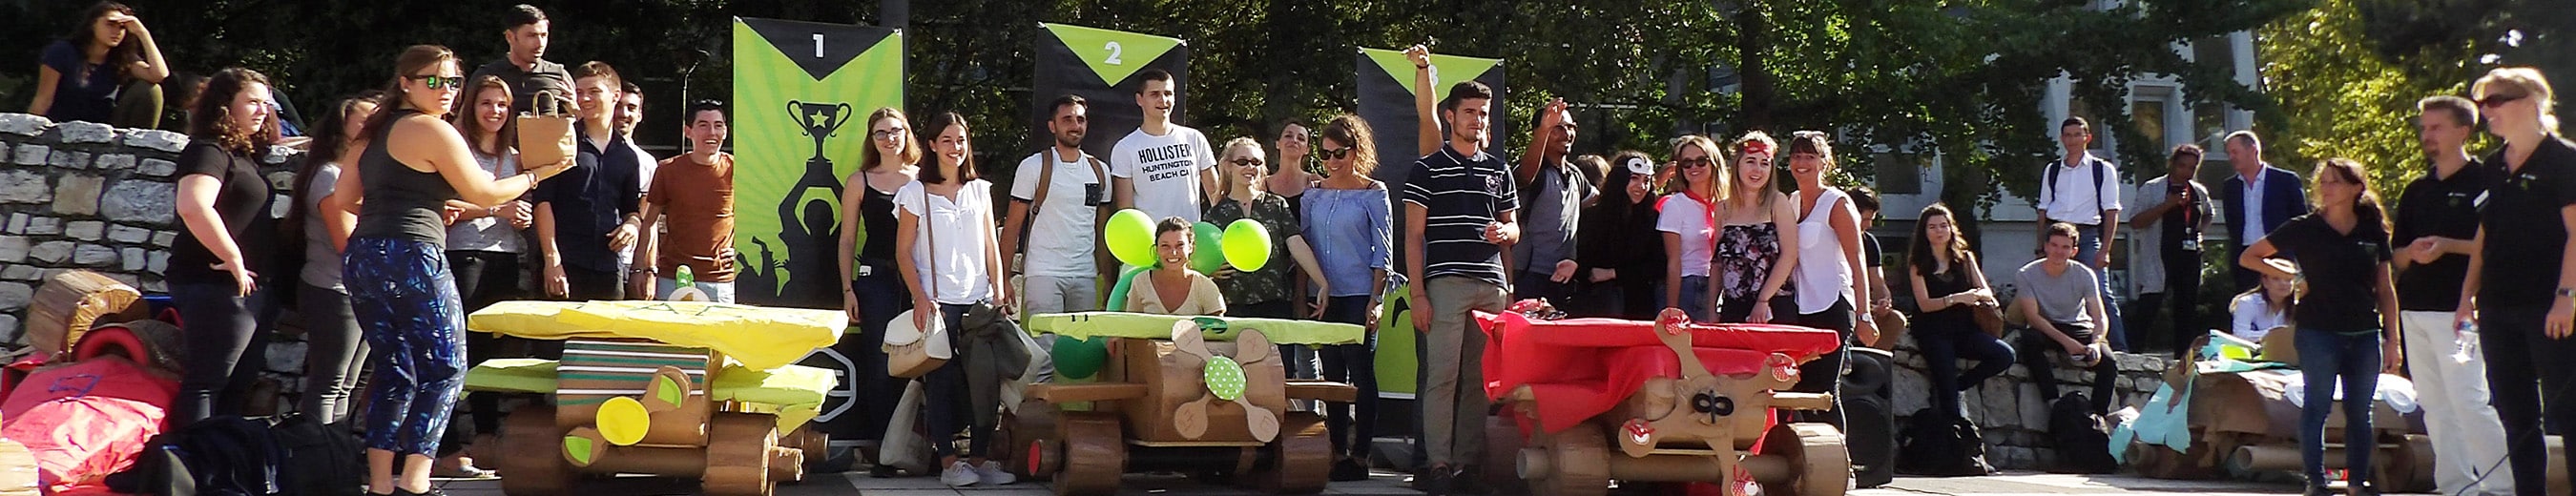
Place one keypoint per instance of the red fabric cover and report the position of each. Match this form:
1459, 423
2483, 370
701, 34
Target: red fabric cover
86, 420
16, 372
1579, 368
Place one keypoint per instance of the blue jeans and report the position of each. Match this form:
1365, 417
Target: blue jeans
1942, 349
2323, 357
1694, 300
2086, 250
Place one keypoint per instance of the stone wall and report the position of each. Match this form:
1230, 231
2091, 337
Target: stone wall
85, 196
2008, 409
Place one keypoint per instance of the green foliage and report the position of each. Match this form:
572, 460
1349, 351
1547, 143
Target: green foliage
2354, 103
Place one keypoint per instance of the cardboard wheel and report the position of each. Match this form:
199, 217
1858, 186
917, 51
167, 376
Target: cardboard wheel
1579, 463
532, 429
2411, 470
1028, 444
1300, 461
1824, 464
1095, 454
738, 454
813, 443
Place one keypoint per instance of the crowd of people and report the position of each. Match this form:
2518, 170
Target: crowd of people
415, 205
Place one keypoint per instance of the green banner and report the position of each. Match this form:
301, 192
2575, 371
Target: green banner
1101, 65
1113, 55
802, 92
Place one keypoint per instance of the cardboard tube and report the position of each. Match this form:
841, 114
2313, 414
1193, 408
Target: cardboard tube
1803, 401
661, 461
1673, 468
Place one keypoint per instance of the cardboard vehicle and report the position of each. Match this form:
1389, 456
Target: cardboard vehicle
1667, 401
2241, 418
676, 389
1198, 395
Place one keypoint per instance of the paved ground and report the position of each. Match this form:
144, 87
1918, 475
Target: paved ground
2011, 484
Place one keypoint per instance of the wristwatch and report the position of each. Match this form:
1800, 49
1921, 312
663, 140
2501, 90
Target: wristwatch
2567, 292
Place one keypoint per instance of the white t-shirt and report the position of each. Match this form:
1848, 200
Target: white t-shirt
1165, 170
1059, 234
1688, 218
952, 241
2254, 317
1824, 275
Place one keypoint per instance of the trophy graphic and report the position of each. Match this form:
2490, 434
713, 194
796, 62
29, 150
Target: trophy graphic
809, 216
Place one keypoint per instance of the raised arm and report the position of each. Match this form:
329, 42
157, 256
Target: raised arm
151, 68
1425, 103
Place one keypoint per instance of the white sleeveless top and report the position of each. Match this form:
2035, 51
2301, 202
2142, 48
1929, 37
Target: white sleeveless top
1821, 265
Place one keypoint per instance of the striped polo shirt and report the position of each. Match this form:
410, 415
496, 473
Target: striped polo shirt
1459, 196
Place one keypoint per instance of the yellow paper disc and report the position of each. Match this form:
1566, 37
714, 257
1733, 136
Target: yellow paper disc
623, 421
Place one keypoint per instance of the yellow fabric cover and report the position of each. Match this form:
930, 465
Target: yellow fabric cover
1084, 325
761, 338
512, 375
784, 386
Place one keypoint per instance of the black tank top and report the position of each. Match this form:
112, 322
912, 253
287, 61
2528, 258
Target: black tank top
1955, 317
876, 211
400, 203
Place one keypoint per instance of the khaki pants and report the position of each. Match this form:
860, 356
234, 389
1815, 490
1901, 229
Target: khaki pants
1453, 379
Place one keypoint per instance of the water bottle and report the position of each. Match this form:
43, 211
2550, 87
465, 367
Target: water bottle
2463, 348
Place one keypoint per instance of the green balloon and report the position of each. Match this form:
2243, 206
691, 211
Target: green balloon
1204, 255
1131, 237
1080, 358
1247, 245
1118, 290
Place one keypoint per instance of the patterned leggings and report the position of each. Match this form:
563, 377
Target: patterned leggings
405, 298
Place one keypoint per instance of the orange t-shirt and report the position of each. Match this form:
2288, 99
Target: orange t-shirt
697, 205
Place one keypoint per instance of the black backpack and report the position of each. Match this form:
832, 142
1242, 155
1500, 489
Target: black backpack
1941, 445
2083, 438
219, 456
2051, 183
320, 459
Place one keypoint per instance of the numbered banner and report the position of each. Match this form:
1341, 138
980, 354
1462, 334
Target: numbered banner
1386, 88
802, 94
1101, 65
801, 90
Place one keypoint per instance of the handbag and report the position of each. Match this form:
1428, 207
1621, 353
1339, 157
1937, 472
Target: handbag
1990, 318
546, 131
911, 353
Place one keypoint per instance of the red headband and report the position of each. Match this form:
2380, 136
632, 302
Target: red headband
1753, 147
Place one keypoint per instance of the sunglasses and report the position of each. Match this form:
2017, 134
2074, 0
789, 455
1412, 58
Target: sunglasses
1333, 153
1694, 163
2493, 101
1248, 161
440, 82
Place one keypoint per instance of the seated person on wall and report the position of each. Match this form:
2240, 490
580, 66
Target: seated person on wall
1172, 288
2062, 304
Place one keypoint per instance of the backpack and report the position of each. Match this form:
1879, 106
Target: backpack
219, 456
1941, 445
2083, 439
320, 459
1046, 181
2097, 186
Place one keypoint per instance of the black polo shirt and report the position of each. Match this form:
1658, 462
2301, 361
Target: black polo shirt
2342, 271
1459, 196
2442, 207
591, 199
2523, 227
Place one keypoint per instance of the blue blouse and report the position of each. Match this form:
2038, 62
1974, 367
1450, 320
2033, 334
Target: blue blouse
1352, 232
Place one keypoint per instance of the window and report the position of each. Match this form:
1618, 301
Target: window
1899, 173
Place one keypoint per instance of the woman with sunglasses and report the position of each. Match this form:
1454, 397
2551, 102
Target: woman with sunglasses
1353, 230
222, 205
1261, 293
1688, 220
1828, 250
1753, 268
1621, 272
875, 293
396, 264
2522, 279
2347, 320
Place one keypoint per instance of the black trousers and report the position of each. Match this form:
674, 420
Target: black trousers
1825, 373
226, 348
2529, 374
1353, 425
586, 284
2181, 296
482, 279
2035, 349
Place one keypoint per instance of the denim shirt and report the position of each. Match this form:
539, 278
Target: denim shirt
1352, 232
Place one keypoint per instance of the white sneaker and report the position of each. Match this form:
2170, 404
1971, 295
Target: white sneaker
959, 475
991, 474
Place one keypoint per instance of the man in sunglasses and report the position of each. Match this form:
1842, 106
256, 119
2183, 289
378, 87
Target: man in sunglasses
2256, 199
1554, 191
526, 68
